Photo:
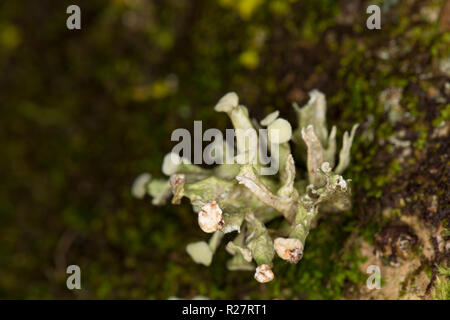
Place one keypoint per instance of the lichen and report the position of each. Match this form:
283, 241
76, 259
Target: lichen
241, 198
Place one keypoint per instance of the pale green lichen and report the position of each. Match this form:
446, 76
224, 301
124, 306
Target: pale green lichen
238, 198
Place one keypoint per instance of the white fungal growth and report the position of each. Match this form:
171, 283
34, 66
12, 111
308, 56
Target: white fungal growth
227, 103
139, 188
271, 117
289, 249
263, 274
279, 131
210, 217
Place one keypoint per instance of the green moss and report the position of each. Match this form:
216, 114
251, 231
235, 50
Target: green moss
420, 142
441, 290
443, 116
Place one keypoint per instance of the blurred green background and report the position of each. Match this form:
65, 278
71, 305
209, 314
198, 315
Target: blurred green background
83, 112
